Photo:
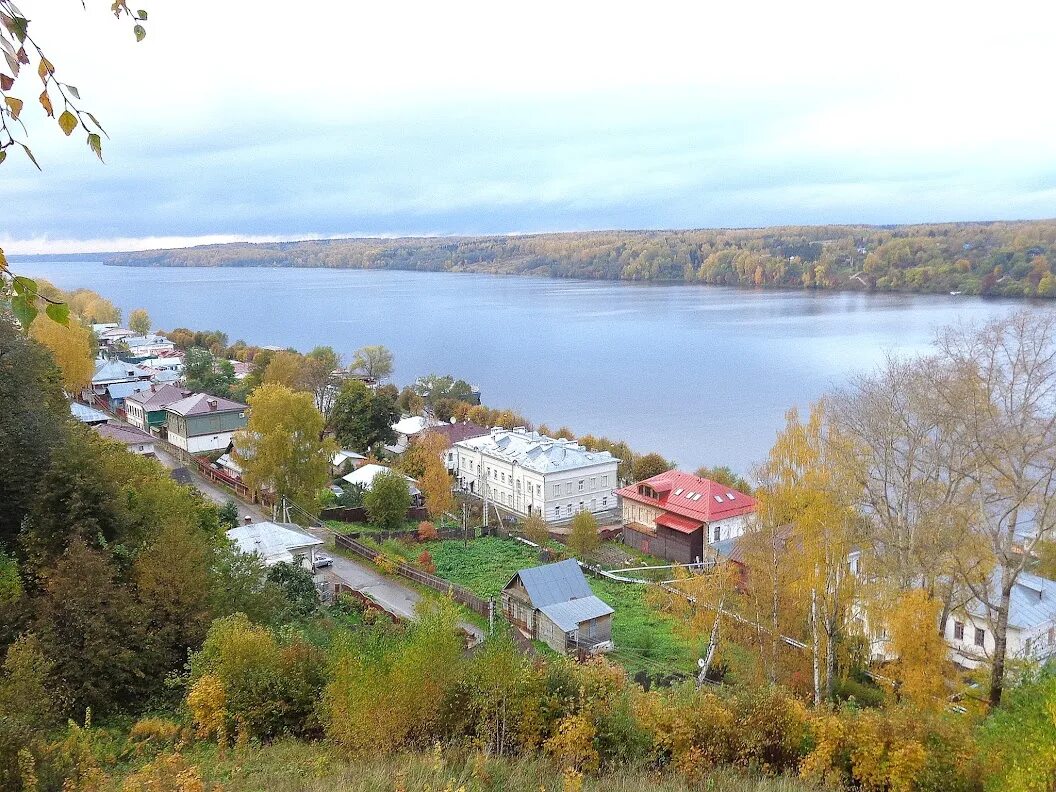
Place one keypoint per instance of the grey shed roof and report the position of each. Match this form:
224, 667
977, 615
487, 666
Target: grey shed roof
569, 615
562, 593
552, 583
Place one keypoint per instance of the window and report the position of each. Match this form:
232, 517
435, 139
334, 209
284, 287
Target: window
557, 512
568, 488
580, 485
958, 630
593, 504
568, 510
581, 505
557, 490
594, 483
718, 533
503, 477
980, 636
604, 481
604, 502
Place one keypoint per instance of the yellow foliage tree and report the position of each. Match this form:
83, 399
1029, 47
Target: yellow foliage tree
286, 368
71, 347
139, 321
282, 447
923, 663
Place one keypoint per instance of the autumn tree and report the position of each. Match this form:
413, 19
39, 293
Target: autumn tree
1000, 405
914, 488
373, 361
388, 500
649, 465
424, 462
71, 346
204, 372
282, 447
285, 368
803, 486
584, 538
535, 529
139, 321
921, 663
726, 477
319, 377
92, 629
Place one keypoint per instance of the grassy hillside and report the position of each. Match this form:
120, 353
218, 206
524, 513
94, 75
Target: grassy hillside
292, 766
1011, 259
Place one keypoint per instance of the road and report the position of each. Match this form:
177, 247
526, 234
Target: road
395, 597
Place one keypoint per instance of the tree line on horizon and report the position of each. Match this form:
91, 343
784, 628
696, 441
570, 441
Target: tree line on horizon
1006, 259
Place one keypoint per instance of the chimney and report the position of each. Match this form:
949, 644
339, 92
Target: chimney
212, 404
248, 520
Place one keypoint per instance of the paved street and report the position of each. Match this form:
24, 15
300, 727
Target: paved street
392, 595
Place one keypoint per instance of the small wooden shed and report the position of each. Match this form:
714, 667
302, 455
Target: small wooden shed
554, 604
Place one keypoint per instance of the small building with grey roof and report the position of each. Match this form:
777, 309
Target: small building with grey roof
554, 603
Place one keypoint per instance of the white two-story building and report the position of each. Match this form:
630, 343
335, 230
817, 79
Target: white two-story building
1031, 625
528, 473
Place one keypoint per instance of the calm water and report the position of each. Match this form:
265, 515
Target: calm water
701, 374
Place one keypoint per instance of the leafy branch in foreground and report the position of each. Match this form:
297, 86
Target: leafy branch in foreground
21, 49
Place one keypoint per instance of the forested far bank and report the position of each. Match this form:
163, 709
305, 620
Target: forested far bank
1009, 259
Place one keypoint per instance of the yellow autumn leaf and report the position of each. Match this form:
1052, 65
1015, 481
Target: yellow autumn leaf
14, 105
45, 102
68, 122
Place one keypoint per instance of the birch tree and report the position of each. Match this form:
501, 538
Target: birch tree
805, 488
909, 470
1000, 404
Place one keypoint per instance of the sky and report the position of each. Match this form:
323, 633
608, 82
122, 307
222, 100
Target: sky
257, 120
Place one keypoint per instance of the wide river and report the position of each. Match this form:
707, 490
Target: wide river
701, 374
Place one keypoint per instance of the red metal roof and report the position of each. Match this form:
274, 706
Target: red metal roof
691, 496
677, 523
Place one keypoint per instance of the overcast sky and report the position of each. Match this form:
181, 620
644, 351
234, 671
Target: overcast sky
263, 120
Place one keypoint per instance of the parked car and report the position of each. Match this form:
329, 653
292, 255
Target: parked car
323, 560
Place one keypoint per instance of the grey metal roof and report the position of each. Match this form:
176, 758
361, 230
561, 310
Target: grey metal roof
117, 371
569, 615
122, 390
198, 404
1033, 602
535, 451
157, 398
86, 414
552, 583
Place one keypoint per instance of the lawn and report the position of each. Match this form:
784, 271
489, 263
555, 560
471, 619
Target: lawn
645, 638
482, 565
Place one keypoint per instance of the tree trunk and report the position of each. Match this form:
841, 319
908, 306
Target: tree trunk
815, 645
997, 669
713, 642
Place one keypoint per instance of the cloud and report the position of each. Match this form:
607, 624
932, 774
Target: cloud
486, 119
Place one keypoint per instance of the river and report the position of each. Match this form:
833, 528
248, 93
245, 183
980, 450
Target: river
701, 374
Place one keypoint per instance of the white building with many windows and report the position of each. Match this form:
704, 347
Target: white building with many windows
528, 473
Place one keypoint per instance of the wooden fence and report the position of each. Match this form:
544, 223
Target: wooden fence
457, 593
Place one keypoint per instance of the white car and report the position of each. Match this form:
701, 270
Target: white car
323, 560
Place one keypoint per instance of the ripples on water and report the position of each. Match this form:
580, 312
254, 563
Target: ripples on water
701, 374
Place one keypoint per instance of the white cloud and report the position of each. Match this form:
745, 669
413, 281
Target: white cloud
260, 119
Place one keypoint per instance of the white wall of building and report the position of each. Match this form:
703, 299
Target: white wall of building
202, 443
555, 495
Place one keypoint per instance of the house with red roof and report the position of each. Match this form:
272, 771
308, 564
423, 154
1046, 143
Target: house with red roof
675, 515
